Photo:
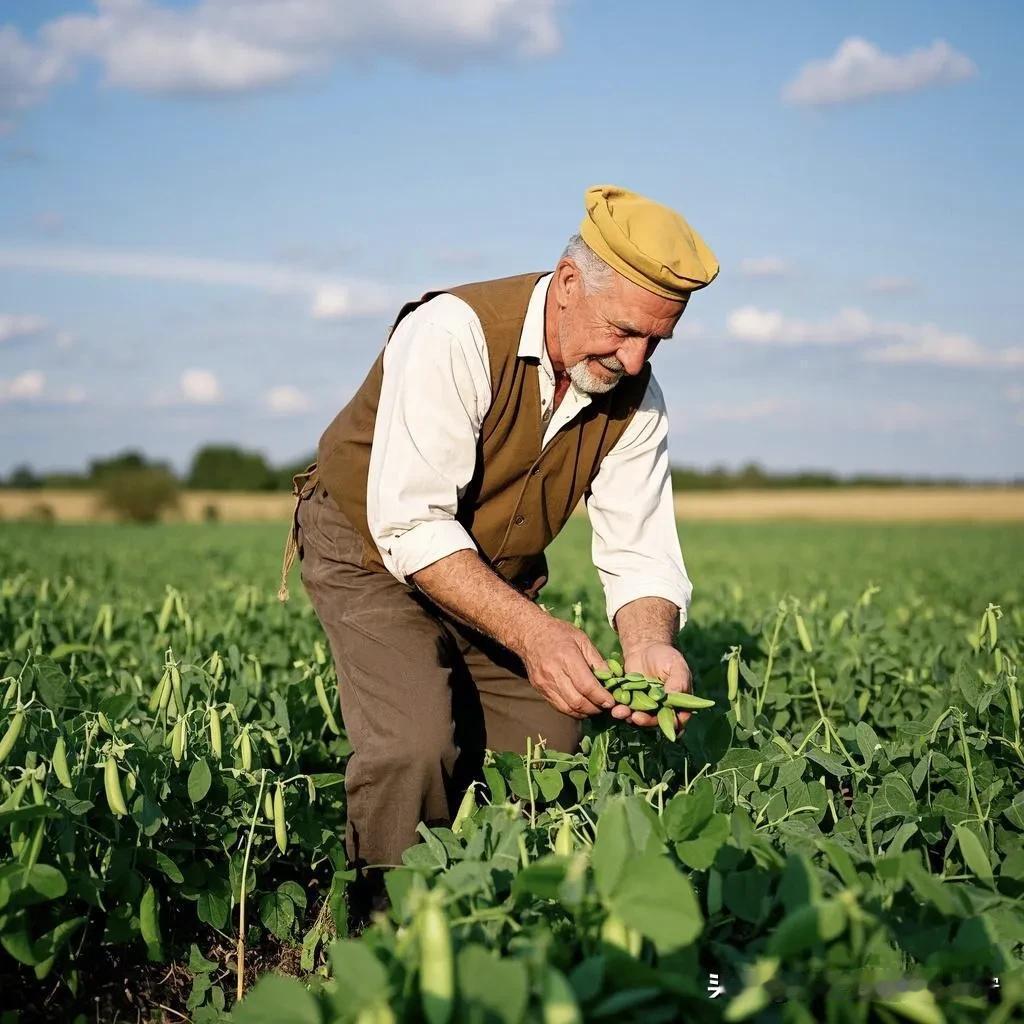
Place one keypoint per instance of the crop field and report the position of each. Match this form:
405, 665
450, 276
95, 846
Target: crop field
839, 838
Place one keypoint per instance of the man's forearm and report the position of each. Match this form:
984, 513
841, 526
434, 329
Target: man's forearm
468, 589
647, 620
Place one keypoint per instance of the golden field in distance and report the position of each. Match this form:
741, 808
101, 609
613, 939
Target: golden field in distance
855, 504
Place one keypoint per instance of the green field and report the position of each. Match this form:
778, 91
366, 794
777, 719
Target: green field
842, 839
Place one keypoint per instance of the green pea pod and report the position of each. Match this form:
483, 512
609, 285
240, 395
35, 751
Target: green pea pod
687, 701
157, 699
178, 740
437, 964
801, 632
732, 678
621, 696
325, 704
246, 750
603, 674
667, 723
215, 733
466, 807
179, 698
615, 667
59, 760
564, 843
636, 677
112, 787
268, 805
635, 684
641, 702
657, 693
280, 825
12, 734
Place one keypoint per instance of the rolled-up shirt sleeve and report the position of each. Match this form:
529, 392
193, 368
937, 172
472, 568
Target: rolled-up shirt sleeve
635, 542
434, 395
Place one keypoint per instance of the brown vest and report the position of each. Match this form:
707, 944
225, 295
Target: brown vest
520, 497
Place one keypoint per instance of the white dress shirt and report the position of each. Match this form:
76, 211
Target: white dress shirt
434, 396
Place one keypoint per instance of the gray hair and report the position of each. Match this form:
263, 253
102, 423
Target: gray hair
596, 274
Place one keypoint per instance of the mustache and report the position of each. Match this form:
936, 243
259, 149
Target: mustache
611, 363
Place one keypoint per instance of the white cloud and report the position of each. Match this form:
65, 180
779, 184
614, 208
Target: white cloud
926, 343
331, 302
898, 342
200, 387
285, 400
27, 385
892, 285
859, 69
764, 266
13, 325
231, 46
770, 327
30, 386
329, 297
27, 72
742, 411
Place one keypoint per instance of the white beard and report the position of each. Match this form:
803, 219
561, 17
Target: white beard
580, 375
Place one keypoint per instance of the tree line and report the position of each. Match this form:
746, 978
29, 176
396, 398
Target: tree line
225, 467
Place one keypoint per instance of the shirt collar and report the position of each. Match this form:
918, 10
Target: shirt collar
531, 341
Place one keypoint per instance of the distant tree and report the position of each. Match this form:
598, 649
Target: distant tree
139, 494
126, 461
23, 478
224, 467
283, 475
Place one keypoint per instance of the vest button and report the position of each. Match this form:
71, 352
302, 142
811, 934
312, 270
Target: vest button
519, 520
535, 471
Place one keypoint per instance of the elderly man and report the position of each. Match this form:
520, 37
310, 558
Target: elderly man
494, 408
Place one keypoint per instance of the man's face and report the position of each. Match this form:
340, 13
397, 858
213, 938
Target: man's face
605, 334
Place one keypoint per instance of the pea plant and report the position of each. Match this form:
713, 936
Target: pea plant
836, 834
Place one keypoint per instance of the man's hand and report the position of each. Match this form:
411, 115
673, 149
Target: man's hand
657, 661
559, 660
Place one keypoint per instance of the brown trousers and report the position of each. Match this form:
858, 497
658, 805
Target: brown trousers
422, 695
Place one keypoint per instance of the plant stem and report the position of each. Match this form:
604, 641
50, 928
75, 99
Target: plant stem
240, 947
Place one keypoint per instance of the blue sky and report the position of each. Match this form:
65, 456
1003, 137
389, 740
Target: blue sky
210, 212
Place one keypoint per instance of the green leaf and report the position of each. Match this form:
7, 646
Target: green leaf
917, 1005
542, 878
699, 852
492, 989
805, 927
199, 780
550, 781
213, 907
866, 741
1015, 812
686, 814
51, 683
974, 853
39, 884
360, 979
627, 828
197, 963
657, 899
149, 924
275, 999
277, 912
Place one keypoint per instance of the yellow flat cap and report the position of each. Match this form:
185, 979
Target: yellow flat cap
646, 242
